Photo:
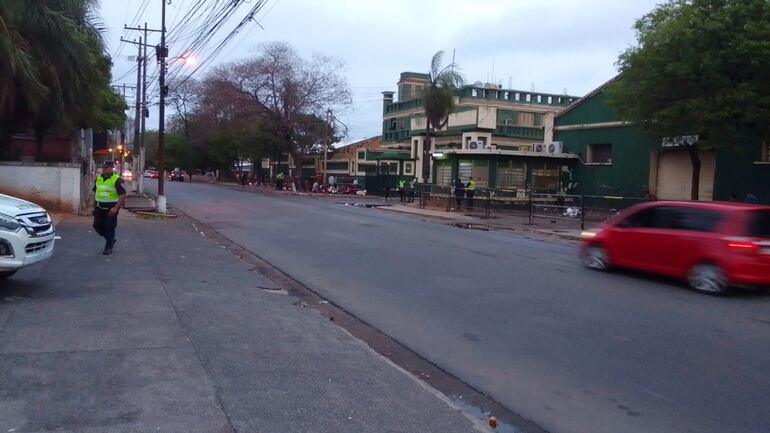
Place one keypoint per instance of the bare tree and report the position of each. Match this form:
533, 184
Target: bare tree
290, 93
184, 97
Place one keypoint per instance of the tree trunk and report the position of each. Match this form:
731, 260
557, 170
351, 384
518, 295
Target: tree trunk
426, 153
695, 159
298, 170
39, 149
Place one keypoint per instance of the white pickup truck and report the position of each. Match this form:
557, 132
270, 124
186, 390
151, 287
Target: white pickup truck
26, 235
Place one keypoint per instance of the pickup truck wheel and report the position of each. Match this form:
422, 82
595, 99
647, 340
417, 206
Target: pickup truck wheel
6, 274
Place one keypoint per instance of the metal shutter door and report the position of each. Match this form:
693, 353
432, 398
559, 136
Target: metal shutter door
708, 166
674, 176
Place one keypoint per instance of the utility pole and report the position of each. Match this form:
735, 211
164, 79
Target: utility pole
123, 151
137, 129
144, 112
326, 142
163, 53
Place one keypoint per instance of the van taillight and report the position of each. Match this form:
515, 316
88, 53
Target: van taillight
742, 246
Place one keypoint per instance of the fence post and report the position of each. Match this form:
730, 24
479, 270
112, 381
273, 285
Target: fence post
529, 192
582, 212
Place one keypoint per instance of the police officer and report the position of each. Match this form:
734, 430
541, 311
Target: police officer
402, 189
110, 198
470, 190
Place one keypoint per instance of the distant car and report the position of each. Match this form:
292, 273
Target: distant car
176, 176
154, 174
147, 173
714, 246
127, 174
26, 235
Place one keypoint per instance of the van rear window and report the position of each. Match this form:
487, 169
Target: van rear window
759, 224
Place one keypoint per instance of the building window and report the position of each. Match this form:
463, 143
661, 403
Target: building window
476, 168
511, 174
539, 99
526, 119
517, 96
337, 166
443, 172
474, 93
362, 154
545, 177
529, 97
599, 153
550, 99
409, 168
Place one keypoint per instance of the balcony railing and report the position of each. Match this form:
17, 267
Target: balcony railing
401, 135
534, 133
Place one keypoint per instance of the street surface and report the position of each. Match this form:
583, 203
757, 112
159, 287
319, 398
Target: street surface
518, 318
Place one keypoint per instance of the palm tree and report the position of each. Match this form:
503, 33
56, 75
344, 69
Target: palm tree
53, 66
439, 102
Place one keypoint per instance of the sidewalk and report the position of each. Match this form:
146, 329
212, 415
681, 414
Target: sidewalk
173, 334
499, 220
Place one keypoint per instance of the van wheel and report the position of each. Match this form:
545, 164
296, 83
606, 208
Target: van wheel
595, 257
6, 274
708, 278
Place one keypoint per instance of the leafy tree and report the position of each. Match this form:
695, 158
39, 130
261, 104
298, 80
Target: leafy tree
54, 73
439, 101
699, 67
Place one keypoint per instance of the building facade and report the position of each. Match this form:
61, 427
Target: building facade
503, 138
373, 165
617, 158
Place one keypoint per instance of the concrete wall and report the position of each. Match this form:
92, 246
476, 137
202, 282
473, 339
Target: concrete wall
51, 185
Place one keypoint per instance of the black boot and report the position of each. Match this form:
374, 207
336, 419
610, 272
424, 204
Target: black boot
108, 247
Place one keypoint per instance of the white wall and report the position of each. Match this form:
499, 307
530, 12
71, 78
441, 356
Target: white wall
49, 184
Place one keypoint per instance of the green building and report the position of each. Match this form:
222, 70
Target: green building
617, 158
503, 138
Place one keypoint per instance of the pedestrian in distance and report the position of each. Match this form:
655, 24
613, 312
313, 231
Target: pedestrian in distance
110, 198
470, 190
459, 192
402, 189
387, 192
411, 190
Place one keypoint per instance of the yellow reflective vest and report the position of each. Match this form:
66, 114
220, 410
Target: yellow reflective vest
106, 191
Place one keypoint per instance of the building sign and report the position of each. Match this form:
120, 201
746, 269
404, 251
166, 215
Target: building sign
679, 141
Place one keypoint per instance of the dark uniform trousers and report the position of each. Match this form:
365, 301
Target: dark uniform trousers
104, 224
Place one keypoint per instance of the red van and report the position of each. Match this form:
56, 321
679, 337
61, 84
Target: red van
714, 246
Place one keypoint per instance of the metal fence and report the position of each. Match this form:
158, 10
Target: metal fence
491, 203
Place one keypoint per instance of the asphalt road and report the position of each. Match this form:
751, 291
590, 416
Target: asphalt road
518, 318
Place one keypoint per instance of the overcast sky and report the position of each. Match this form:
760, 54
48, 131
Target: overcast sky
552, 45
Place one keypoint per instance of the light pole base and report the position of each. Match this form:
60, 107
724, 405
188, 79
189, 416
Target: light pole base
161, 204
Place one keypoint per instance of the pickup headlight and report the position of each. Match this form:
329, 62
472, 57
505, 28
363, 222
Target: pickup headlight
9, 224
